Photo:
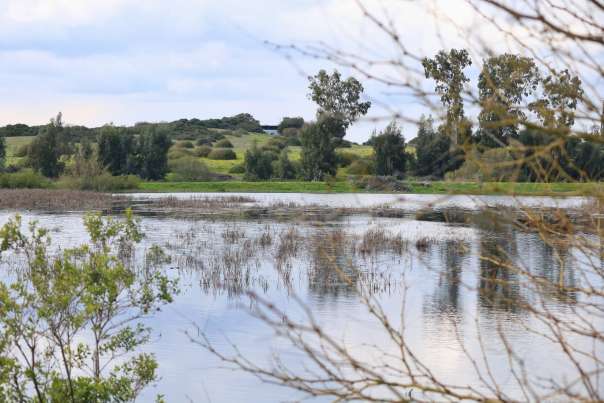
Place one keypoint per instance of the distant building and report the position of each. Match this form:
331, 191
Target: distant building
272, 130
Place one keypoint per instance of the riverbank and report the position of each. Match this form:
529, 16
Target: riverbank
488, 188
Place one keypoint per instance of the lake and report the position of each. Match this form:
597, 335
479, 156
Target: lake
431, 264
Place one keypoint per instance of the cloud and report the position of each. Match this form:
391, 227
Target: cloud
131, 60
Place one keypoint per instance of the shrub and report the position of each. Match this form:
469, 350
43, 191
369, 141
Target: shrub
294, 141
24, 179
283, 168
202, 151
237, 169
185, 144
203, 141
224, 143
21, 152
176, 153
276, 143
104, 182
11, 169
189, 169
361, 167
345, 158
497, 164
258, 164
222, 154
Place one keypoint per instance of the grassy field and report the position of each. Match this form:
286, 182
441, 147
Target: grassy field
499, 188
243, 143
13, 144
240, 186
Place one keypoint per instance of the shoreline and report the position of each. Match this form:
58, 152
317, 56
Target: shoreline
453, 188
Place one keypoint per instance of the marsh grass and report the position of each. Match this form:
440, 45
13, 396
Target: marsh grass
56, 200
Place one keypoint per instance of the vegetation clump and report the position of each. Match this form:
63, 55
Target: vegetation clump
222, 154
224, 143
67, 317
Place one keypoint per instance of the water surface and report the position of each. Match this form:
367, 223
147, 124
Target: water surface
447, 299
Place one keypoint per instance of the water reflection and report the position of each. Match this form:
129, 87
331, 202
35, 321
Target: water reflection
451, 275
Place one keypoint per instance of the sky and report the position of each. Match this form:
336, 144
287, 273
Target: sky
126, 61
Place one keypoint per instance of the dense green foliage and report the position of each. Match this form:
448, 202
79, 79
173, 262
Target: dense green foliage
504, 82
145, 155
434, 154
45, 151
222, 154
295, 124
318, 157
189, 169
117, 150
23, 180
283, 168
390, 154
258, 164
153, 154
224, 143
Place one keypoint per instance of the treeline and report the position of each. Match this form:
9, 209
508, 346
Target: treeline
523, 131
178, 129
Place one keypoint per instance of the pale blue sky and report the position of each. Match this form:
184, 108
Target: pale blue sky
124, 61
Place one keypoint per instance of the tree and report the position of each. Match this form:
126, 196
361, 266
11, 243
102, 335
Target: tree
561, 93
504, 82
45, 150
446, 69
340, 98
318, 157
258, 164
116, 148
283, 167
290, 123
72, 321
433, 153
389, 150
152, 153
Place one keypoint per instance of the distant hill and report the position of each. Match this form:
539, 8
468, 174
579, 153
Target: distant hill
179, 129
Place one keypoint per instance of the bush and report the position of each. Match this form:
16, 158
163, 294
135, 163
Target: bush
345, 158
203, 151
224, 143
496, 164
361, 167
100, 183
204, 141
185, 144
276, 143
189, 169
12, 168
21, 152
237, 169
294, 141
177, 153
24, 179
283, 168
258, 164
222, 154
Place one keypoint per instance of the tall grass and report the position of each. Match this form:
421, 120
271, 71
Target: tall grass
104, 182
24, 180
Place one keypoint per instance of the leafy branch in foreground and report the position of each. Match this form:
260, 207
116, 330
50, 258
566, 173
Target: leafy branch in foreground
70, 321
